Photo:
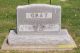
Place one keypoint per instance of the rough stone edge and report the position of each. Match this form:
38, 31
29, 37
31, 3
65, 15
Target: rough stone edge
5, 46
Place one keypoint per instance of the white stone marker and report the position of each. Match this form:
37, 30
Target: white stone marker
39, 28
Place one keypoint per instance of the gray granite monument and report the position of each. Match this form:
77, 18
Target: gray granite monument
39, 28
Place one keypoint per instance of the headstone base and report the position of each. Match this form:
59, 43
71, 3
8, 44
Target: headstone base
58, 41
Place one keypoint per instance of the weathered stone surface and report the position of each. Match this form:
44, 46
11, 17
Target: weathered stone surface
59, 41
40, 39
38, 17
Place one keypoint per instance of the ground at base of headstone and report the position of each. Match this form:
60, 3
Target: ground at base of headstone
16, 42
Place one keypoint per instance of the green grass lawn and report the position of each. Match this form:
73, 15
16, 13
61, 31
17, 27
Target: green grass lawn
70, 20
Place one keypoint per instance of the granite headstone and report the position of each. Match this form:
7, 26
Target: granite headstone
39, 28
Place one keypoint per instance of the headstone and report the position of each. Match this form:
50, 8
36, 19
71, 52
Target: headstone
39, 28
40, 18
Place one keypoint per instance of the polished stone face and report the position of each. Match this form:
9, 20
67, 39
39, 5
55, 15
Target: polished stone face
38, 18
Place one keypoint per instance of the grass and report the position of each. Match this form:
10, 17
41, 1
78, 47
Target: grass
70, 20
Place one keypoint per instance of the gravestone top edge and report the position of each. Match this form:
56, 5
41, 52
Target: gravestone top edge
33, 5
